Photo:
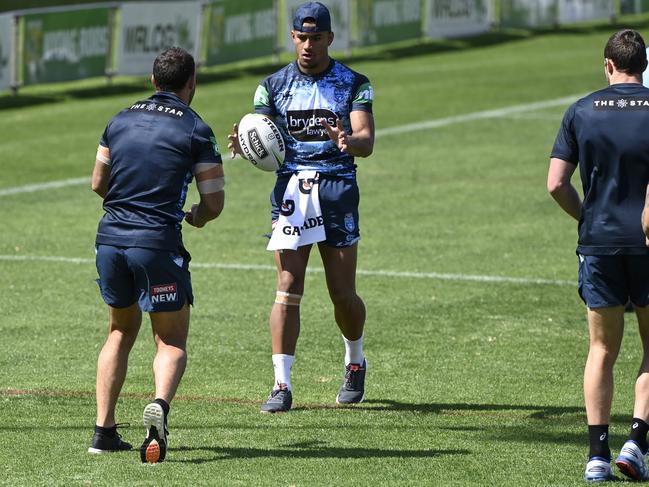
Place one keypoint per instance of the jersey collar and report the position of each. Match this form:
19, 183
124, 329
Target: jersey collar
168, 95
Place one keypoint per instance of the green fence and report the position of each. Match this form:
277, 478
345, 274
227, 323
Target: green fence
81, 41
240, 29
62, 46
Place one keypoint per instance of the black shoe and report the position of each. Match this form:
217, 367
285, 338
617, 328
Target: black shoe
279, 401
154, 448
109, 443
352, 391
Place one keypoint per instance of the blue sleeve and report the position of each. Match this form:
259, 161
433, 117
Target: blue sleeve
104, 138
204, 145
263, 100
363, 95
565, 145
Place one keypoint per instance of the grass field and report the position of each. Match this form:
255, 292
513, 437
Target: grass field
475, 337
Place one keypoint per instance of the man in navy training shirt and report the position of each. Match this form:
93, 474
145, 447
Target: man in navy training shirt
605, 134
324, 112
147, 157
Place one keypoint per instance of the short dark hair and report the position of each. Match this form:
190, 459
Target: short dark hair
173, 68
628, 52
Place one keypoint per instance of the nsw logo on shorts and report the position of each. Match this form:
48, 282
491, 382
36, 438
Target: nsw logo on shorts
350, 225
164, 293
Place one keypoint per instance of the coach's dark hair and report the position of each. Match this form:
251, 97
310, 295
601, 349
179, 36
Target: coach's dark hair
627, 50
172, 68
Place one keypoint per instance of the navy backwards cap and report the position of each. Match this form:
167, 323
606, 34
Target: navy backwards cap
312, 10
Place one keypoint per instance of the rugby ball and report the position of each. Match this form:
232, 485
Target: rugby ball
261, 142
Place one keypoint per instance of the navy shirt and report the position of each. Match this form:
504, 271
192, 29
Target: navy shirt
153, 145
297, 101
607, 134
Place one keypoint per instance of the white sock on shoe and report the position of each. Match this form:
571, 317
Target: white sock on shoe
282, 365
354, 351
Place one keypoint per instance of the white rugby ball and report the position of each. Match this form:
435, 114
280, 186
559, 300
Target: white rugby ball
261, 142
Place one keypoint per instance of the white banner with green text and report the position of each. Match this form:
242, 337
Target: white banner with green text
457, 18
148, 28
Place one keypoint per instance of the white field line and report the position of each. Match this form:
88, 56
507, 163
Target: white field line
379, 273
30, 188
469, 117
424, 125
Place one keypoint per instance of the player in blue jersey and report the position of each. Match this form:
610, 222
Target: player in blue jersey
148, 155
324, 111
605, 135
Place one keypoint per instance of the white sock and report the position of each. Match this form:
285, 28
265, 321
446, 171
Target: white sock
282, 365
354, 351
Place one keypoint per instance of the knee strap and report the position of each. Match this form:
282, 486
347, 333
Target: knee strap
287, 299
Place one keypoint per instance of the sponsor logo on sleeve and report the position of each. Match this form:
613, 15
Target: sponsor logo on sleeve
261, 97
164, 293
365, 94
215, 145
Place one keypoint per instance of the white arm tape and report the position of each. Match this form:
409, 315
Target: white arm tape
204, 166
211, 185
102, 158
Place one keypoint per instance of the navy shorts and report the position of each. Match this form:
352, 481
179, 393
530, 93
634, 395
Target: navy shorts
339, 198
613, 280
158, 280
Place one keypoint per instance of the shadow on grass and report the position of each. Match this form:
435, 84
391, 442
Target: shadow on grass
532, 433
538, 412
9, 101
550, 413
305, 450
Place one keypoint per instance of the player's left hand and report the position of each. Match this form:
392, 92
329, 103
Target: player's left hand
337, 133
190, 216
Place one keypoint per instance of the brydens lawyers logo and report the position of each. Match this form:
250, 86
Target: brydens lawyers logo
164, 293
305, 125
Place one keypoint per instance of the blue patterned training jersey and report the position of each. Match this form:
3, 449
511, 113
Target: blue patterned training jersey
297, 102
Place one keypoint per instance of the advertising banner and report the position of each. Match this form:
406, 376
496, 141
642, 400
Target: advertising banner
149, 28
340, 24
240, 29
456, 18
6, 48
383, 21
528, 13
633, 6
62, 46
578, 10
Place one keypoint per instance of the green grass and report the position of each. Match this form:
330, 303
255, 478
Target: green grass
470, 383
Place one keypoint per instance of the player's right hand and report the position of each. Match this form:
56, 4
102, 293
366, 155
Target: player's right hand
233, 145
